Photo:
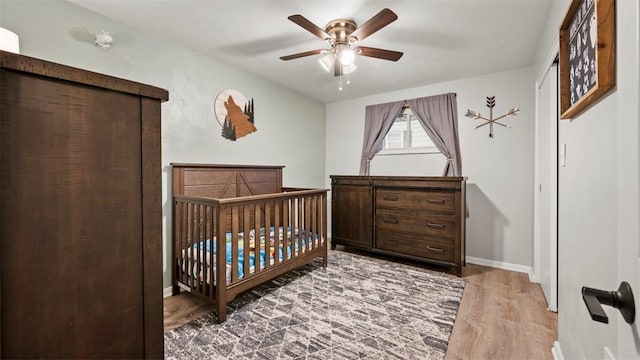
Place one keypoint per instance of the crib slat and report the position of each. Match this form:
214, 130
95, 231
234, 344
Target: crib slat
319, 212
189, 239
318, 220
277, 230
221, 268
314, 225
235, 228
324, 219
194, 247
192, 238
323, 239
295, 215
301, 227
267, 235
291, 224
307, 219
177, 251
246, 230
202, 252
184, 246
197, 241
307, 222
194, 253
185, 239
314, 220
285, 227
258, 240
212, 268
202, 266
300, 223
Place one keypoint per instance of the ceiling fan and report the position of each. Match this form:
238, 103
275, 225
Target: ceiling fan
343, 35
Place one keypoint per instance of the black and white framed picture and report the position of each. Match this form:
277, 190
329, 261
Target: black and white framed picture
587, 54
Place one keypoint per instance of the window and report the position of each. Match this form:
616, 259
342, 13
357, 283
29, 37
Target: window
407, 136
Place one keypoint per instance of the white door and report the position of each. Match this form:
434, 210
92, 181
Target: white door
628, 227
546, 199
599, 207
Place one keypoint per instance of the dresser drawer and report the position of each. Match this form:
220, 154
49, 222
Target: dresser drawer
418, 222
424, 247
441, 201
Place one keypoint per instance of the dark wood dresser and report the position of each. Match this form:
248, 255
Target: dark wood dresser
419, 218
80, 214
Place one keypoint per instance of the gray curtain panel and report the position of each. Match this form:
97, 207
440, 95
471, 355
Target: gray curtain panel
439, 118
378, 121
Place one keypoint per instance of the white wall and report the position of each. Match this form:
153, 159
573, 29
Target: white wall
500, 171
290, 126
599, 199
550, 34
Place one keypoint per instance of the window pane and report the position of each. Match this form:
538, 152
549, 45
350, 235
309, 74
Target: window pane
394, 140
406, 134
395, 137
399, 125
419, 137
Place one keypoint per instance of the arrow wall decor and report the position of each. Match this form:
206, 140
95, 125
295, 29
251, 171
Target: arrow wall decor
491, 102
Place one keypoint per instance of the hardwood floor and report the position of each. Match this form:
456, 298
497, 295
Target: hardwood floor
502, 316
180, 309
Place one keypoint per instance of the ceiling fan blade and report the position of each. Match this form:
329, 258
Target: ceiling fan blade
309, 26
377, 22
337, 67
302, 54
378, 53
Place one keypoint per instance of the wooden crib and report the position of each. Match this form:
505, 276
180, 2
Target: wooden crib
267, 229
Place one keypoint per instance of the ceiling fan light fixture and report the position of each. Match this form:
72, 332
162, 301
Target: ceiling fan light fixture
348, 69
347, 56
343, 35
327, 61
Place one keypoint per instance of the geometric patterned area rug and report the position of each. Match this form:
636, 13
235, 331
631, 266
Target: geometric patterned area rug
356, 308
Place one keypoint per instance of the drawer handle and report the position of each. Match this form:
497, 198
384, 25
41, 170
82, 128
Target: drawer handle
435, 201
431, 248
436, 226
390, 198
390, 220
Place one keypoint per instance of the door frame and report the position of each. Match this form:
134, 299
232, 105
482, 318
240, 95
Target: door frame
553, 168
628, 175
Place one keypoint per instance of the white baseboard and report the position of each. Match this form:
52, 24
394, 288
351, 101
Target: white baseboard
166, 292
501, 265
556, 351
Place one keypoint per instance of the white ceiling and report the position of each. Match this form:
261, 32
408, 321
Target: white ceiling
442, 40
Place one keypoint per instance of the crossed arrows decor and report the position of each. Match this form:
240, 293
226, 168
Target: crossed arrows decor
491, 102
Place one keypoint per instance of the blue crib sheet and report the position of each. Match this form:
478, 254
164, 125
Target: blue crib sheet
206, 245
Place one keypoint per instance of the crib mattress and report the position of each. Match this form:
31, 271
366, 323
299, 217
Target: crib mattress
204, 247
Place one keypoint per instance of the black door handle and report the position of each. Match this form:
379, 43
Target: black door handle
622, 299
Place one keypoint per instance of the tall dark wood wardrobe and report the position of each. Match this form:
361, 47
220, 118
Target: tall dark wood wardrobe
80, 213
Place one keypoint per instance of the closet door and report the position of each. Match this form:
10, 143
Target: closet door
71, 220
